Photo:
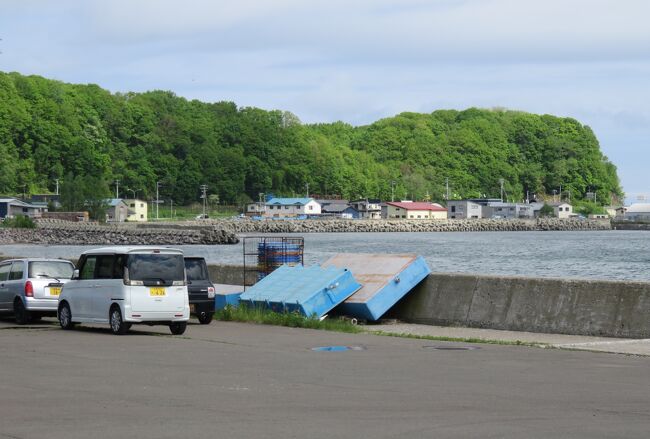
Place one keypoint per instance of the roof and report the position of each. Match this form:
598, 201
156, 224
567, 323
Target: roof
289, 201
17, 202
334, 208
417, 205
114, 201
131, 249
638, 208
556, 204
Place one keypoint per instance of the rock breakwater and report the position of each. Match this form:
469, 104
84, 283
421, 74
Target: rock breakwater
65, 233
484, 225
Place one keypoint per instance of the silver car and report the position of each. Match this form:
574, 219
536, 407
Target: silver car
30, 288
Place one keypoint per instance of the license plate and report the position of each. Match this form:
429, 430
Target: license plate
192, 307
156, 291
55, 291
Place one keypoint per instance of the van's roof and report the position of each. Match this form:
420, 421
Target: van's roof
140, 249
36, 260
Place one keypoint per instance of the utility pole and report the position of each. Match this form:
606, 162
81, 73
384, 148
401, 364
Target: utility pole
560, 193
501, 183
117, 188
57, 185
392, 190
204, 189
307, 186
447, 188
259, 209
158, 184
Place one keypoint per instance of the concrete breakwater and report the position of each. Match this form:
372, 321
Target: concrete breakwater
340, 225
63, 233
560, 306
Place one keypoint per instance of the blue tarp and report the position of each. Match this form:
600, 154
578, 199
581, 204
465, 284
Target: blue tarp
311, 290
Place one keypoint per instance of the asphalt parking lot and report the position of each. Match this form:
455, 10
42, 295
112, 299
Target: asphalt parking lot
247, 381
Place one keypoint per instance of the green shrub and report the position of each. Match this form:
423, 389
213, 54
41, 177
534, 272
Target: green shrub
21, 222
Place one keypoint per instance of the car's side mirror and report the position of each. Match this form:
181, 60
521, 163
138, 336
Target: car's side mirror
75, 274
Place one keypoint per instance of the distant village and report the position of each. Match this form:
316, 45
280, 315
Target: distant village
271, 207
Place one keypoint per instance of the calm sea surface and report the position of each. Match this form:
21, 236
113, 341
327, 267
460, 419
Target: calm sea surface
614, 255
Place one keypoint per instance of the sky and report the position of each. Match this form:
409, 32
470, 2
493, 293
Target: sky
359, 61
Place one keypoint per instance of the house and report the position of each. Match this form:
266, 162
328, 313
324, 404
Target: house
413, 210
12, 207
46, 199
638, 212
118, 211
138, 208
281, 207
368, 208
340, 211
464, 209
562, 210
508, 210
255, 209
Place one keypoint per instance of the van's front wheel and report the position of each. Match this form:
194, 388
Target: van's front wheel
118, 327
178, 328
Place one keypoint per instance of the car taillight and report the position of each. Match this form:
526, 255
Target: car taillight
210, 292
29, 289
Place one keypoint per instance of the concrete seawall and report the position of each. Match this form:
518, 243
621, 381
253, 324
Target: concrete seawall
561, 306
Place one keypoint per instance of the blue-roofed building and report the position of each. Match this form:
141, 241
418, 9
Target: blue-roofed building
287, 207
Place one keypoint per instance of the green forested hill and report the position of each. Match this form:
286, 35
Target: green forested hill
51, 130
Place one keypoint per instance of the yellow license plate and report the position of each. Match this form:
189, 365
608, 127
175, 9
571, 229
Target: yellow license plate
55, 291
156, 291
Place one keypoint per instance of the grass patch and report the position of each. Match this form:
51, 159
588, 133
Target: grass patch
265, 316
459, 339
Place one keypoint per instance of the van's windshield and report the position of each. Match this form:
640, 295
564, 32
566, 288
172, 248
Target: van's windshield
50, 270
156, 266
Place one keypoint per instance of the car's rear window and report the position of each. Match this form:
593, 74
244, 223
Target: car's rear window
50, 269
196, 269
156, 266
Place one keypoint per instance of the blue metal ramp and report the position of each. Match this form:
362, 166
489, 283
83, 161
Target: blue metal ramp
310, 290
227, 295
385, 278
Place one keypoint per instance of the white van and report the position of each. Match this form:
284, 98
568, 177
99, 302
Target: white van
126, 285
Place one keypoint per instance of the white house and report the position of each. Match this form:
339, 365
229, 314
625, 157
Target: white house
463, 209
11, 207
281, 207
413, 210
137, 210
562, 210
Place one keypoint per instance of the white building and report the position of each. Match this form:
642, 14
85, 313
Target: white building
413, 210
562, 210
137, 210
463, 209
281, 207
638, 212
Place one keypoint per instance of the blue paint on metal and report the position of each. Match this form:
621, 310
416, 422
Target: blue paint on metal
221, 300
337, 348
309, 290
372, 302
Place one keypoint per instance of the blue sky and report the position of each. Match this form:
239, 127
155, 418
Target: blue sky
359, 61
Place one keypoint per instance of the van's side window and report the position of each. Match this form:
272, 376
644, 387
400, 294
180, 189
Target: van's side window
4, 271
16, 271
104, 267
118, 267
88, 268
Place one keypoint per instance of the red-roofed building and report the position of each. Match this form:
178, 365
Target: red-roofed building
413, 210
